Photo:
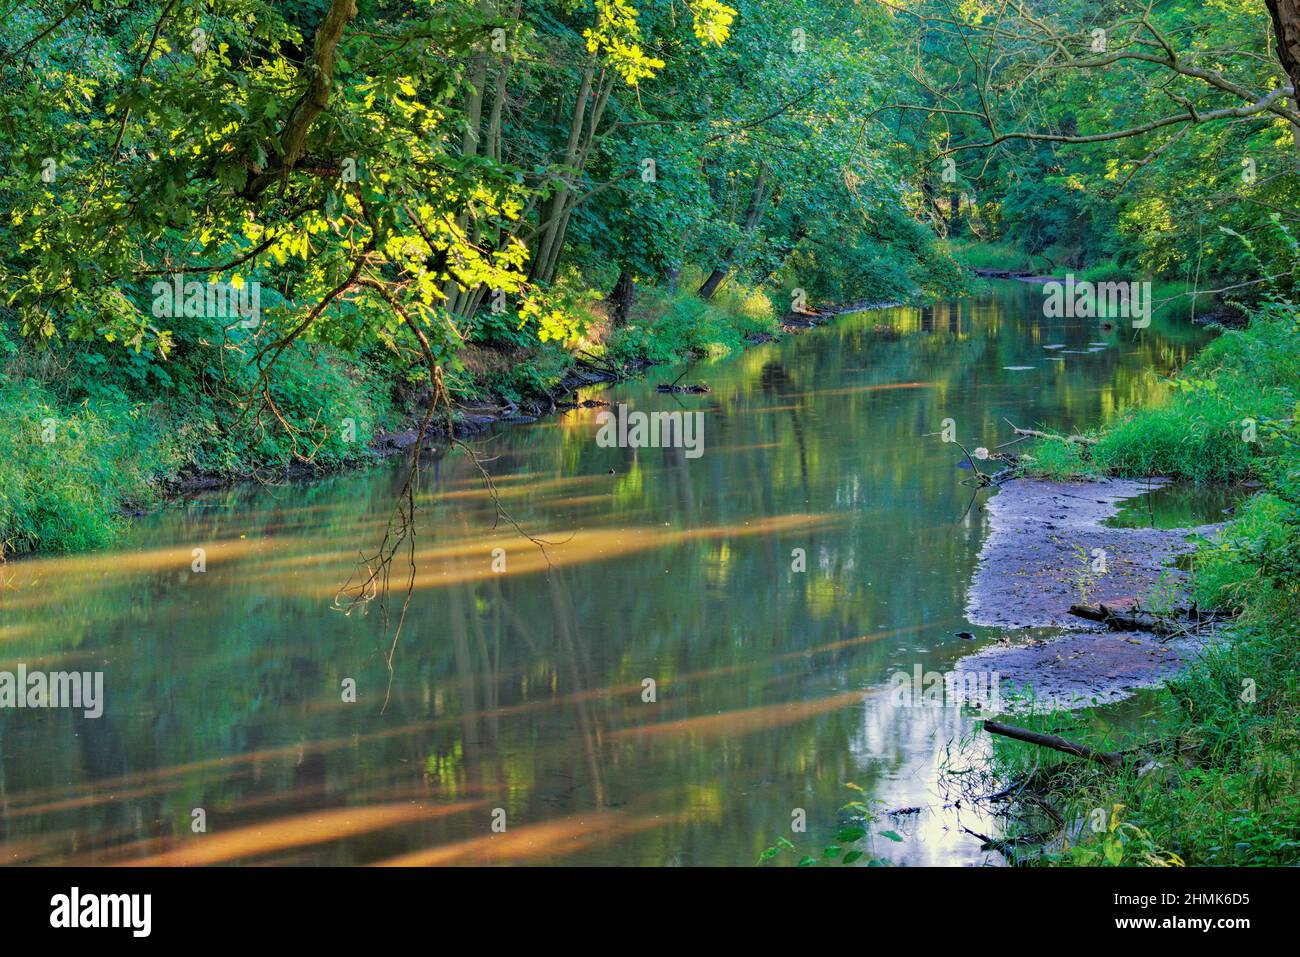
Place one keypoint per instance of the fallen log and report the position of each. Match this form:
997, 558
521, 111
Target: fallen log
1111, 759
1118, 621
697, 389
1035, 434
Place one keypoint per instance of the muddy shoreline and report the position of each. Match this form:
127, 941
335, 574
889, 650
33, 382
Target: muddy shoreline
1048, 549
473, 418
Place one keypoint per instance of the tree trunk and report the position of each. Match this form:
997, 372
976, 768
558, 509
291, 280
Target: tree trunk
545, 266
620, 298
1286, 27
293, 136
931, 200
471, 138
468, 305
555, 216
711, 284
1111, 759
757, 201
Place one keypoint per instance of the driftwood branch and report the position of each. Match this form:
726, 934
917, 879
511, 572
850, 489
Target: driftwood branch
1179, 622
1111, 759
1035, 434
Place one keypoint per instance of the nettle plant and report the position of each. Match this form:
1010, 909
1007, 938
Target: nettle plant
1119, 843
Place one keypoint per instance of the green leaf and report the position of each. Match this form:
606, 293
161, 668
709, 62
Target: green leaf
1114, 853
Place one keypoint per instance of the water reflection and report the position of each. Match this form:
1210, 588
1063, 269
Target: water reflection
525, 691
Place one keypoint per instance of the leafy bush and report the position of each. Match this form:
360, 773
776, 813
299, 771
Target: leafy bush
1228, 569
675, 325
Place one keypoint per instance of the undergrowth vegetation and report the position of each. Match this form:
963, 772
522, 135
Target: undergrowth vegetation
91, 432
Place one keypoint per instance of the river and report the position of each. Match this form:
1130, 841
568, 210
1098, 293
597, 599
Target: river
520, 726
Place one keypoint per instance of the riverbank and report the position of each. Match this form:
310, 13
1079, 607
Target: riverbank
497, 404
1214, 779
662, 566
83, 450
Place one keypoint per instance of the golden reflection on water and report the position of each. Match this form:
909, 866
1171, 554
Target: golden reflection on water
299, 830
732, 723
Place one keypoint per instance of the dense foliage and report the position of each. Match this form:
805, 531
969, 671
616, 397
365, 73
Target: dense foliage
1136, 139
274, 217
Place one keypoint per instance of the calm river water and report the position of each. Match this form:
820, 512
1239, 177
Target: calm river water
519, 696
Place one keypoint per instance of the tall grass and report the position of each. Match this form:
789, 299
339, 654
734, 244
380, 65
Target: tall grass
981, 255
66, 473
1225, 418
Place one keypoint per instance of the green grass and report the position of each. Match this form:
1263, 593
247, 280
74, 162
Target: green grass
980, 255
66, 472
1223, 419
674, 325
